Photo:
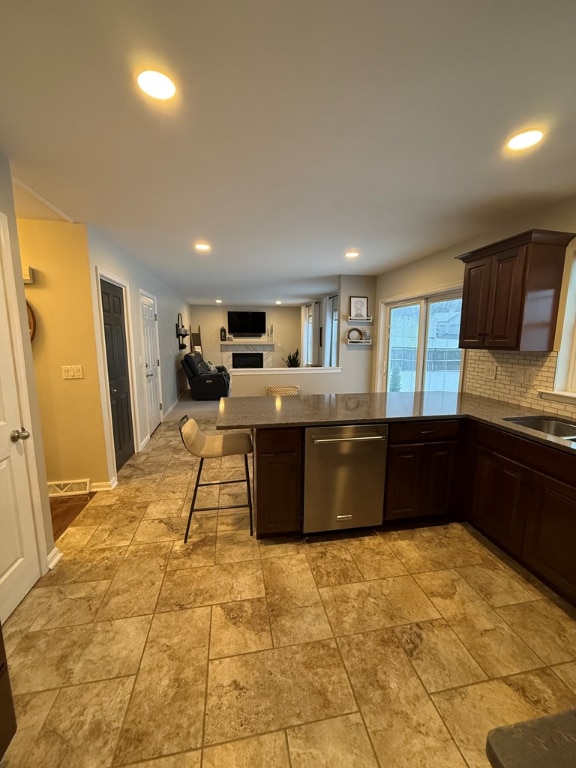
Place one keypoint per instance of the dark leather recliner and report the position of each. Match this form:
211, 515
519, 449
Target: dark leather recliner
205, 384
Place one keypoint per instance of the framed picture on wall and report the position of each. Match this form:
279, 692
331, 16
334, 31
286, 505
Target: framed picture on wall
358, 307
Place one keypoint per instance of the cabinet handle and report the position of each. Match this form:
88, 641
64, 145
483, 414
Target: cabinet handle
427, 432
317, 440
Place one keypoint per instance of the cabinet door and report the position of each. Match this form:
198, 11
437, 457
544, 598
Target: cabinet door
550, 539
506, 299
278, 493
498, 499
475, 298
403, 482
438, 481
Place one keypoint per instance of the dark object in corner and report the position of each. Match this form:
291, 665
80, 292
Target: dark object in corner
223, 334
205, 383
7, 716
545, 742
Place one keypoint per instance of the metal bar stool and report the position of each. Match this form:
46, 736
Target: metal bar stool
213, 447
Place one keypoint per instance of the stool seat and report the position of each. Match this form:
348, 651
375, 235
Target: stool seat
205, 446
545, 742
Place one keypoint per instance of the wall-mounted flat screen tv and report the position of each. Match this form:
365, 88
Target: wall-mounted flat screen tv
247, 323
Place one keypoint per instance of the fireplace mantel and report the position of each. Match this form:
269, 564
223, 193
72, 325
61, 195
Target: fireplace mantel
265, 348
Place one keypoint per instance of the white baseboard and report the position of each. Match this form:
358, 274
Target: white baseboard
105, 486
53, 557
144, 443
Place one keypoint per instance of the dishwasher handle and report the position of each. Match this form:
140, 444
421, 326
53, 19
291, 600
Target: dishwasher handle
363, 438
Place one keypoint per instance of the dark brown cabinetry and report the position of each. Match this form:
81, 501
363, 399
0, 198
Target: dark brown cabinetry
523, 496
497, 503
550, 537
511, 292
278, 480
422, 460
7, 716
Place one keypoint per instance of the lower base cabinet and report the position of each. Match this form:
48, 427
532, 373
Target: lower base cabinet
420, 480
549, 546
522, 495
278, 480
498, 500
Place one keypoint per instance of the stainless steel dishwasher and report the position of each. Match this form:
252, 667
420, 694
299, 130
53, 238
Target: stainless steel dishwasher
344, 476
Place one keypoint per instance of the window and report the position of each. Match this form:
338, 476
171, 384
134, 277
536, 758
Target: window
330, 349
423, 351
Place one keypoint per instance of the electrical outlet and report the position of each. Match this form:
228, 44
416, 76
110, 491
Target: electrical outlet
490, 370
518, 376
72, 372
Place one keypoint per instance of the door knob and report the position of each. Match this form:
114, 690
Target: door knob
19, 434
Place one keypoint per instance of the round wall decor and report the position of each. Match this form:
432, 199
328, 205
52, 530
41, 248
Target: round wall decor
31, 321
354, 334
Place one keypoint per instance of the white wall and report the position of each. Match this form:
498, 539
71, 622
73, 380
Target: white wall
356, 361
285, 321
113, 262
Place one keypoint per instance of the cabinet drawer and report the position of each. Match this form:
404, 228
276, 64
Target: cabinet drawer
419, 431
278, 440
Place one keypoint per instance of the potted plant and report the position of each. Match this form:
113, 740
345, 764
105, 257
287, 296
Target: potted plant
292, 360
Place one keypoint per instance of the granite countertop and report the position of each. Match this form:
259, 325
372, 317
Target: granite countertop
324, 410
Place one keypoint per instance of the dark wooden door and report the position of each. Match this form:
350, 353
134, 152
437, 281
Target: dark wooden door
475, 297
438, 486
550, 539
118, 378
278, 480
403, 489
506, 297
499, 499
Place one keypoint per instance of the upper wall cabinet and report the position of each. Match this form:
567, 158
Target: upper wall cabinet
511, 292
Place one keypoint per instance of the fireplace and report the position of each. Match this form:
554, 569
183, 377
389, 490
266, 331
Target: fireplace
247, 360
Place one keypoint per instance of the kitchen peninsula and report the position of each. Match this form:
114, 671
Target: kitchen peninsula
450, 456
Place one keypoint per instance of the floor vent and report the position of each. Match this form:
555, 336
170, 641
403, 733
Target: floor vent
69, 488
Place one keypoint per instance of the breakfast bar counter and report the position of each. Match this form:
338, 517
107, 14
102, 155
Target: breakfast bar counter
322, 410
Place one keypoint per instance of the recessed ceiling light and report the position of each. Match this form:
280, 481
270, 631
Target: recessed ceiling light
525, 139
278, 301
202, 246
352, 253
218, 301
156, 85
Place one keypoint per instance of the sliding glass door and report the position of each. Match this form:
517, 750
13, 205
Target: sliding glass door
423, 351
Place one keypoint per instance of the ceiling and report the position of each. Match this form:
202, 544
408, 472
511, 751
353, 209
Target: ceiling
300, 128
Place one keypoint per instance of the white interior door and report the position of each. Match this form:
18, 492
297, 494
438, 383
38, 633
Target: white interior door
151, 360
19, 557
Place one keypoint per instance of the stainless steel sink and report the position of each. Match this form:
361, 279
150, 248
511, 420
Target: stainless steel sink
550, 425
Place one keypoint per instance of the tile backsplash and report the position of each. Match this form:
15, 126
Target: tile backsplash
514, 377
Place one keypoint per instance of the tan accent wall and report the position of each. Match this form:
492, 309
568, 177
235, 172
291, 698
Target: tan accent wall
61, 298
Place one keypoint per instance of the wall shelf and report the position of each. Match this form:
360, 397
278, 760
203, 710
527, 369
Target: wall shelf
360, 342
359, 319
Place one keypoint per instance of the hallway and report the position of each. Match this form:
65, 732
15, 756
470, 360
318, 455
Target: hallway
392, 649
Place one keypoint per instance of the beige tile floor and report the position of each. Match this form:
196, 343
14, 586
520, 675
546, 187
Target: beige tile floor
392, 649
